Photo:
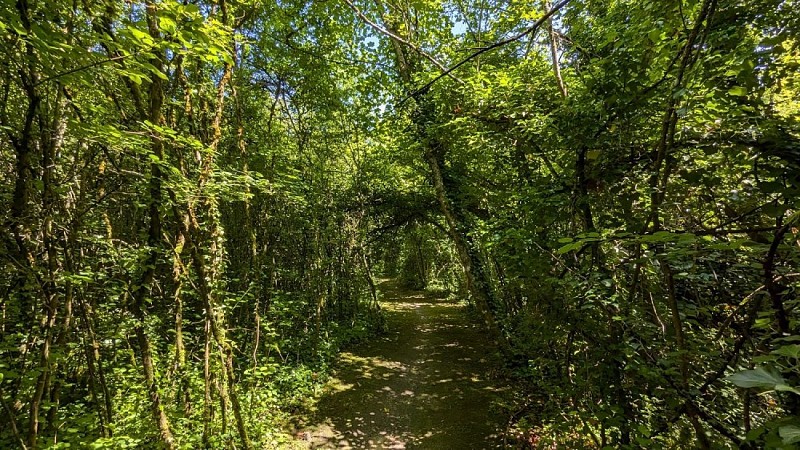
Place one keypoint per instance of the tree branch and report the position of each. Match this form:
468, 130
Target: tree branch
85, 67
399, 39
489, 48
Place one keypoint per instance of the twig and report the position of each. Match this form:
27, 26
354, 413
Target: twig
747, 299
85, 67
483, 50
399, 39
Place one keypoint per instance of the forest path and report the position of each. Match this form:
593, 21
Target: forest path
421, 385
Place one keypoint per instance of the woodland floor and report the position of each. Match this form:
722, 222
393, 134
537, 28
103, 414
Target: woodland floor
421, 385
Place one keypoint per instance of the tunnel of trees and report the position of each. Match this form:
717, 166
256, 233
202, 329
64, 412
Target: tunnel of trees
198, 198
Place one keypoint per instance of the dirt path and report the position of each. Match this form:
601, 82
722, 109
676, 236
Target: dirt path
423, 385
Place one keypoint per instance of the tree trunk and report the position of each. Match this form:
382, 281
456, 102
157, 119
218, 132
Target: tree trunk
474, 272
554, 52
142, 290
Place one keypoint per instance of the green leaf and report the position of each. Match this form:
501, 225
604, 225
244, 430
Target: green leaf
786, 388
738, 91
154, 71
755, 433
569, 247
19, 29
792, 351
654, 35
140, 36
167, 24
790, 434
135, 77
758, 377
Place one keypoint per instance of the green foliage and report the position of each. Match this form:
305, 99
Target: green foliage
189, 183
198, 197
762, 378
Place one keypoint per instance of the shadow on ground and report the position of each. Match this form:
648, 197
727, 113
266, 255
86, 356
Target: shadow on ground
422, 385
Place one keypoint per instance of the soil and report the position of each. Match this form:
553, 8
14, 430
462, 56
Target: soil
422, 385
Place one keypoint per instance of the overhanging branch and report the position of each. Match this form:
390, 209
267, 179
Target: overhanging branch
448, 72
399, 39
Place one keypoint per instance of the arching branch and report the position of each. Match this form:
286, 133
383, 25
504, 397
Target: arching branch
489, 48
399, 39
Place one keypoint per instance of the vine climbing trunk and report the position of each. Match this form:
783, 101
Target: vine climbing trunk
142, 286
474, 272
196, 239
433, 152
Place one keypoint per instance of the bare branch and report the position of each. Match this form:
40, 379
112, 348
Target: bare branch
483, 50
405, 42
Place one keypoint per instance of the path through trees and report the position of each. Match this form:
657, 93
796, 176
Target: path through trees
424, 385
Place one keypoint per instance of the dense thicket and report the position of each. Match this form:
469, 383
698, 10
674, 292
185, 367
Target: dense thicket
183, 227
198, 196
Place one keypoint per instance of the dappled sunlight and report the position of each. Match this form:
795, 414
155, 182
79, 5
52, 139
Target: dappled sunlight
422, 385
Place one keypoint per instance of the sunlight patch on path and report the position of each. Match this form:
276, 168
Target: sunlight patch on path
422, 385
